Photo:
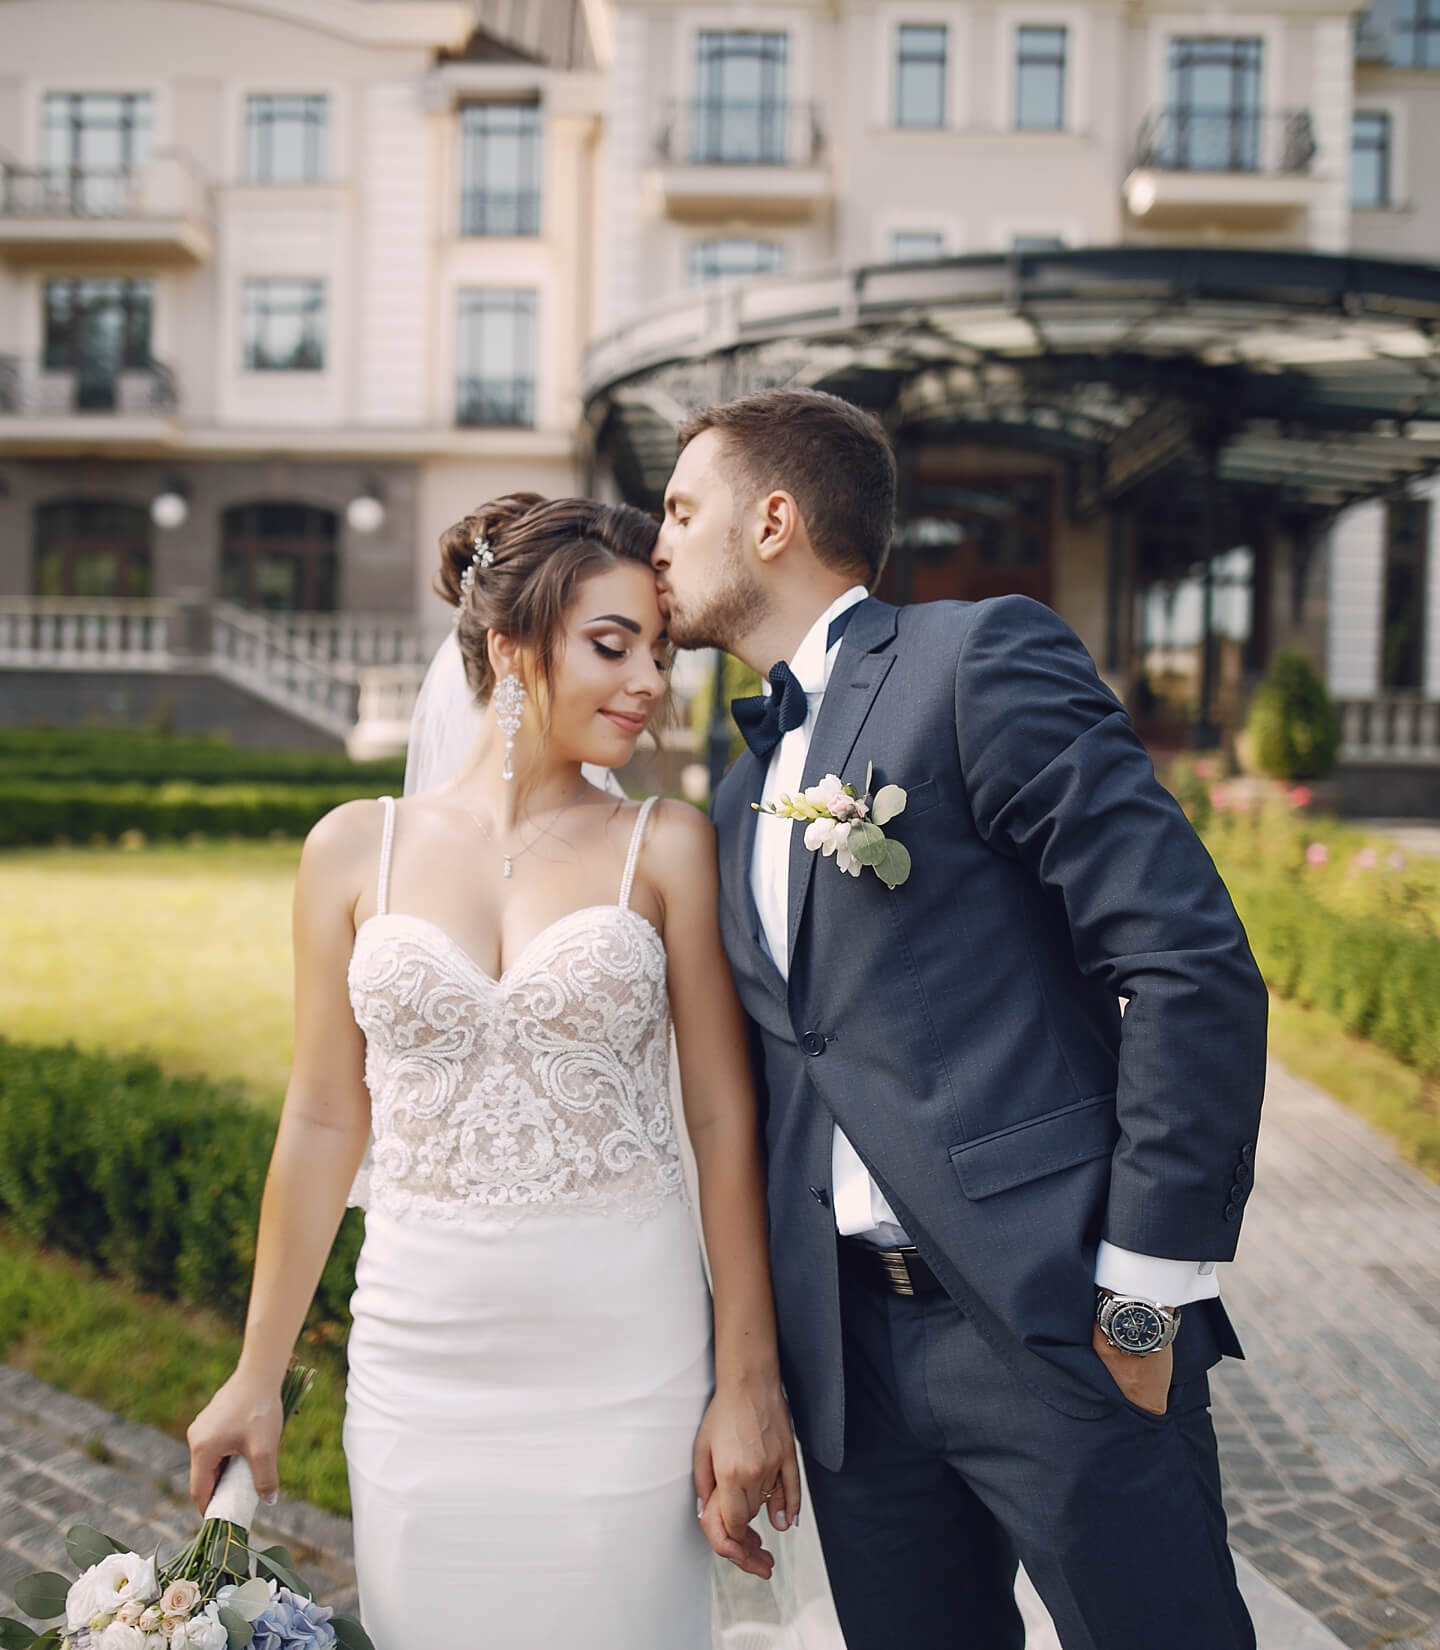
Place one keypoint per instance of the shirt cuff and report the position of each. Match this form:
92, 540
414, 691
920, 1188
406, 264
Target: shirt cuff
1150, 1278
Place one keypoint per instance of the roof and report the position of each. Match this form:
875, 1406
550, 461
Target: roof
1314, 377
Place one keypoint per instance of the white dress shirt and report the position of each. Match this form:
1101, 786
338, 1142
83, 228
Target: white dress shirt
860, 1207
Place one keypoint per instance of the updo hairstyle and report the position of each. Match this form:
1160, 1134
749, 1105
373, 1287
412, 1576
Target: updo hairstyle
543, 549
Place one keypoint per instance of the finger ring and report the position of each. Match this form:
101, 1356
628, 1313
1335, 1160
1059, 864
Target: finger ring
768, 1493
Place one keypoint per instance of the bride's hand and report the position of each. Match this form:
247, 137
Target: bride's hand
243, 1418
745, 1459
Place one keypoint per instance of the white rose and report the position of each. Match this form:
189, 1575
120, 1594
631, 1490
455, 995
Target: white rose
179, 1598
122, 1577
152, 1619
205, 1632
121, 1635
80, 1603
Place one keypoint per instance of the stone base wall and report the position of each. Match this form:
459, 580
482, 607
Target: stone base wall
1398, 791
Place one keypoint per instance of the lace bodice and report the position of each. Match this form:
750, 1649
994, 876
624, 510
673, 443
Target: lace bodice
546, 1087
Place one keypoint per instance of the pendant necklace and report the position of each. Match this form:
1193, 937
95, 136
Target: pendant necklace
507, 868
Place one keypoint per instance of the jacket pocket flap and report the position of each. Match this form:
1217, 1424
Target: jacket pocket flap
1044, 1145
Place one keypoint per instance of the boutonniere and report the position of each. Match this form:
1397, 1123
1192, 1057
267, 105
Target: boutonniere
838, 821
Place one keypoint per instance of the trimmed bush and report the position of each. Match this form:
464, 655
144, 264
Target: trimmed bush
1293, 725
34, 812
153, 1178
132, 756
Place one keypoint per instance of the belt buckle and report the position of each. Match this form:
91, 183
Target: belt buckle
897, 1270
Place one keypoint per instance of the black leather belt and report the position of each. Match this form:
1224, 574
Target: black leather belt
901, 1271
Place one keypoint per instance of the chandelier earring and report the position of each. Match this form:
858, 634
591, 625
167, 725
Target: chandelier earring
509, 702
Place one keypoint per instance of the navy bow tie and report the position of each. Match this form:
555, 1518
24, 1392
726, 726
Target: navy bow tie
765, 718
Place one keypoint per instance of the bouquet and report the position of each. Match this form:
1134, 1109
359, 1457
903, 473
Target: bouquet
203, 1598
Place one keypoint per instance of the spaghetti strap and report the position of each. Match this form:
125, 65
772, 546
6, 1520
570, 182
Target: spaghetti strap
634, 854
387, 842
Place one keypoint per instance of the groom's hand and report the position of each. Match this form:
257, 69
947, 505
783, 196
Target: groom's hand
1144, 1381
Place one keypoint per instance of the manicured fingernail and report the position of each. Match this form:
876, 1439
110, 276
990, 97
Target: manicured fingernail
699, 1507
271, 1497
782, 1520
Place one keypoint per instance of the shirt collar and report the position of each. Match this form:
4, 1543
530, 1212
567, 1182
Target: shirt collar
812, 662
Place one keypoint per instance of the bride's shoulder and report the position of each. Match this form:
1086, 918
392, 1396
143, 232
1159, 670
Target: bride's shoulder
676, 834
348, 832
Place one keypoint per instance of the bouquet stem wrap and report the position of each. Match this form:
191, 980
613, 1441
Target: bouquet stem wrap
235, 1498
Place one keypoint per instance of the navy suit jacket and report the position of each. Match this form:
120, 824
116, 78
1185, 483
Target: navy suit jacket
963, 1029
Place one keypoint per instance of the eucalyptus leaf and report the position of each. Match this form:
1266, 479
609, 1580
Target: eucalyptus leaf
15, 1635
238, 1631
87, 1546
51, 1639
350, 1634
42, 1595
278, 1555
252, 1599
866, 842
894, 868
283, 1574
889, 801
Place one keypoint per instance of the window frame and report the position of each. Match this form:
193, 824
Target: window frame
90, 189
712, 109
527, 199
254, 358
1417, 558
1422, 26
1021, 63
900, 62
895, 236
316, 140
521, 387
1386, 151
696, 278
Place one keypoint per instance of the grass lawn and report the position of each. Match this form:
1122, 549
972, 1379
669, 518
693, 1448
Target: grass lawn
181, 950
154, 1362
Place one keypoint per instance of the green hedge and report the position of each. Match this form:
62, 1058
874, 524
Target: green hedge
150, 1177
35, 811
134, 755
1380, 980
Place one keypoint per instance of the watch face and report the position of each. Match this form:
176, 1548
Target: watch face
1136, 1327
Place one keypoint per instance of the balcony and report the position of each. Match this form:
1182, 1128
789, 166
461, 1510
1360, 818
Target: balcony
45, 408
156, 217
1241, 169
764, 162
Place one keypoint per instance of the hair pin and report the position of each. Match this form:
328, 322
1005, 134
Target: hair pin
483, 559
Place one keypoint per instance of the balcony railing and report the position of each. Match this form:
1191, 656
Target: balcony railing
168, 185
32, 388
1398, 728
1233, 140
495, 403
739, 132
75, 634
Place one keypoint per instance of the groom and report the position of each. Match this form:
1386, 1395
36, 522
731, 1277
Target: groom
995, 1205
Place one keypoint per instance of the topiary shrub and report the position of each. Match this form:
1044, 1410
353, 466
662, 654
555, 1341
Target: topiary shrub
1293, 725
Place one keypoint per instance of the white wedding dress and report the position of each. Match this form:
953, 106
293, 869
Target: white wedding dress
531, 1352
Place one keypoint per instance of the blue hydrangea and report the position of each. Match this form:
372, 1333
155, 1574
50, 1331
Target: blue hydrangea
293, 1623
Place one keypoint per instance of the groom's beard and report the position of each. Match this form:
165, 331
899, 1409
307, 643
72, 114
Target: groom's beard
722, 616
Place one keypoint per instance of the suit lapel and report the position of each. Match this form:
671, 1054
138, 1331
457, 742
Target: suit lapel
861, 666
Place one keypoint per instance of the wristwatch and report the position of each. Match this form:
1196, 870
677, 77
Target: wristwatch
1135, 1326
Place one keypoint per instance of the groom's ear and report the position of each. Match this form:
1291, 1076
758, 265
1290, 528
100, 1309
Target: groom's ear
780, 525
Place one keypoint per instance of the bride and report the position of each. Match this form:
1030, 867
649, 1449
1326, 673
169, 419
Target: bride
541, 1398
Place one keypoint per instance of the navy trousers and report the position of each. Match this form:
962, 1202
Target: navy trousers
953, 1470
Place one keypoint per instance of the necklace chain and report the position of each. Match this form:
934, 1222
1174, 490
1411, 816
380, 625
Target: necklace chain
508, 858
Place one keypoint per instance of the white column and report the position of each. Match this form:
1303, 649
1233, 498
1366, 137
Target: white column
634, 114
1333, 90
1357, 570
396, 239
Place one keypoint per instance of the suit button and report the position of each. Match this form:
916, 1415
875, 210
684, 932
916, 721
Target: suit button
821, 1196
813, 1043
1237, 1195
1247, 1154
1232, 1211
1243, 1174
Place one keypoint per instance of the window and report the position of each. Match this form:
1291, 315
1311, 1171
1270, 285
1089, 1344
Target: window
287, 138
1414, 34
723, 259
94, 143
1214, 112
1037, 243
740, 112
279, 557
500, 169
910, 245
92, 547
1370, 159
1402, 635
496, 350
920, 75
284, 326
1040, 80
97, 329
